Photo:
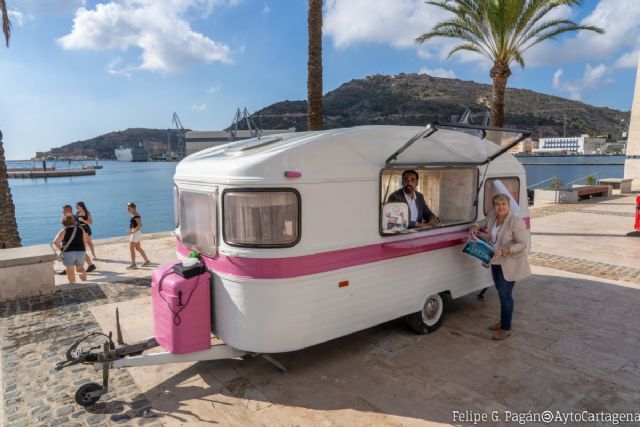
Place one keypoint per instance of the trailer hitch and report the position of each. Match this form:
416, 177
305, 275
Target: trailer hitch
100, 356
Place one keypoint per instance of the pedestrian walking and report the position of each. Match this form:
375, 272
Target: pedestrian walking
68, 210
135, 235
70, 242
86, 221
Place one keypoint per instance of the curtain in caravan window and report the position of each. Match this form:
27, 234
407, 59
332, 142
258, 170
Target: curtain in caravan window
261, 218
198, 221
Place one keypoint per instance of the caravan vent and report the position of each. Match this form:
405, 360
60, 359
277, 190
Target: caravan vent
251, 144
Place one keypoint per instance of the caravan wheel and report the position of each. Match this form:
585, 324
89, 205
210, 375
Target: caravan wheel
431, 316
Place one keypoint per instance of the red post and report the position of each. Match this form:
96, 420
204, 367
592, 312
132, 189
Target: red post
637, 225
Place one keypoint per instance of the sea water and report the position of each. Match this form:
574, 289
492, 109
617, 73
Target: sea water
570, 168
149, 185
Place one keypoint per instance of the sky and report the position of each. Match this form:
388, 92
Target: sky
76, 69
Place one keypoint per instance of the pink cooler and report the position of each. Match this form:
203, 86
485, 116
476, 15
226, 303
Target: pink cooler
181, 310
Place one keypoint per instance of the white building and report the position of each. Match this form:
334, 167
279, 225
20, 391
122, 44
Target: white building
558, 145
582, 144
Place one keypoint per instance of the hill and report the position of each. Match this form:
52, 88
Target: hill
417, 99
404, 99
103, 146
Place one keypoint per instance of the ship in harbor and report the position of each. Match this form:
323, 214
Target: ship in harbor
132, 154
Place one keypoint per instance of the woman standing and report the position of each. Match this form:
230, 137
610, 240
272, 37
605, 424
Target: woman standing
70, 242
86, 220
508, 235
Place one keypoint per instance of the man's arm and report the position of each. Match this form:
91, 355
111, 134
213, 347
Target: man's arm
429, 219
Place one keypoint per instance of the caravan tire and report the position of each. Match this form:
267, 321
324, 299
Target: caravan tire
431, 316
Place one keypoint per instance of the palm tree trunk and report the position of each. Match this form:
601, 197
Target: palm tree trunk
499, 74
9, 237
314, 66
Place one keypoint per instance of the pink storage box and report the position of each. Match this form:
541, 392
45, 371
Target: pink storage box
181, 310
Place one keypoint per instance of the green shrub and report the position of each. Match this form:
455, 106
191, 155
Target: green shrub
556, 184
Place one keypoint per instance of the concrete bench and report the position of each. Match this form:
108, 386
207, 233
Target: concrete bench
587, 191
622, 184
26, 272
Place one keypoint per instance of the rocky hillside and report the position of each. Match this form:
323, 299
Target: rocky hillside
103, 146
416, 99
404, 99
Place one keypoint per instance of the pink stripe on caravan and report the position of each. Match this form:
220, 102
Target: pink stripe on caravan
282, 268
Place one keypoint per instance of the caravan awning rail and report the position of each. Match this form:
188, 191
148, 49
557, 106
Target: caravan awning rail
433, 127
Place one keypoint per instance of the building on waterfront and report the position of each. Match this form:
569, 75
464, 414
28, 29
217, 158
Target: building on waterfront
583, 144
199, 140
526, 146
632, 158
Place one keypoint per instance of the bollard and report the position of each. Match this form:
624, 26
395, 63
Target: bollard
637, 224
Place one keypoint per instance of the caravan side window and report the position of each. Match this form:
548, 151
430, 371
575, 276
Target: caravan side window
266, 218
450, 193
512, 184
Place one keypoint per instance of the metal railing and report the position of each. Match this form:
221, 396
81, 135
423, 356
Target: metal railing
595, 174
541, 182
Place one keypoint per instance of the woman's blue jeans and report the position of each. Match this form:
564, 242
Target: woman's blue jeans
505, 288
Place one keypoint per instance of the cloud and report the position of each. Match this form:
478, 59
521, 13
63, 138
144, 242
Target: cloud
619, 19
17, 18
199, 107
628, 60
438, 72
159, 29
266, 9
213, 88
593, 78
396, 23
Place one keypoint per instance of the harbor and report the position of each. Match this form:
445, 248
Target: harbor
573, 348
51, 173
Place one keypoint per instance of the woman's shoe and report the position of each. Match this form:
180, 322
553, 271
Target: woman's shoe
501, 334
494, 326
146, 263
132, 267
91, 268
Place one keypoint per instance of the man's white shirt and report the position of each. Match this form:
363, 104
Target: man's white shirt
413, 208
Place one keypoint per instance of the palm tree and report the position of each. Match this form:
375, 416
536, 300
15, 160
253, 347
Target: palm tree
314, 66
9, 237
501, 30
6, 25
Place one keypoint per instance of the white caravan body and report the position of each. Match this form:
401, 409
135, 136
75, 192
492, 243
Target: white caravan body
339, 273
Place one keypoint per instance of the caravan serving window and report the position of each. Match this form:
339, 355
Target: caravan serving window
449, 192
261, 218
512, 184
198, 221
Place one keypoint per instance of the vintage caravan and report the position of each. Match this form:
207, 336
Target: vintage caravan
301, 246
291, 226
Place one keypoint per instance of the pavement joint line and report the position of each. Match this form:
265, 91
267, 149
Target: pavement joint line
593, 211
586, 267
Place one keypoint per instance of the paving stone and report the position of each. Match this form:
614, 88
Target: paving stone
59, 421
120, 418
36, 332
65, 410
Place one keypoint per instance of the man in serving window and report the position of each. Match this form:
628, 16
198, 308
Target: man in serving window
420, 216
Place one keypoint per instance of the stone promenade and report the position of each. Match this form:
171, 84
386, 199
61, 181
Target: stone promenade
575, 347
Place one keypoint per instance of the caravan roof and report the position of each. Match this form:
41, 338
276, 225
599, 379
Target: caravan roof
337, 154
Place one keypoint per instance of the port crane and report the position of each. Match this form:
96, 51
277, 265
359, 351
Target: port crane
180, 147
237, 120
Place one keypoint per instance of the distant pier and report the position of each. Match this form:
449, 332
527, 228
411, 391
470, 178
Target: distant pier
49, 173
